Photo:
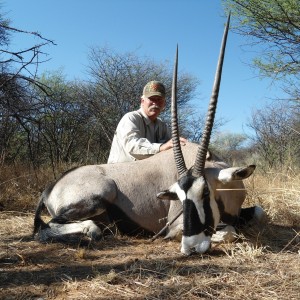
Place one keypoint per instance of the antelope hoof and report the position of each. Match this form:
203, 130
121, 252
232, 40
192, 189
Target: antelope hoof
91, 230
226, 235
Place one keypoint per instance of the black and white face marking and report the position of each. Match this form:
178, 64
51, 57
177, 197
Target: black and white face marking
200, 213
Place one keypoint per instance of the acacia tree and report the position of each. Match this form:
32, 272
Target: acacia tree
275, 26
18, 104
276, 138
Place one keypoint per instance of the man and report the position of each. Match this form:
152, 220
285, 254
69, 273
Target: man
141, 134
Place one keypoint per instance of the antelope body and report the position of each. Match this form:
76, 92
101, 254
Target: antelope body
125, 193
135, 195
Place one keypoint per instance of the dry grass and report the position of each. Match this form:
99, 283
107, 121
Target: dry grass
262, 264
279, 194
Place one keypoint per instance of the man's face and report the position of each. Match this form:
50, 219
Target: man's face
153, 106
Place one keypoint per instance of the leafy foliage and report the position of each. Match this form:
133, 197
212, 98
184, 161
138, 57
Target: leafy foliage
275, 25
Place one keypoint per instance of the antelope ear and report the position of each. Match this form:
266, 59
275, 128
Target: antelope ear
167, 195
235, 173
244, 173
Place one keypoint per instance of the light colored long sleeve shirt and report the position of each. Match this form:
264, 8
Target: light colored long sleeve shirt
137, 137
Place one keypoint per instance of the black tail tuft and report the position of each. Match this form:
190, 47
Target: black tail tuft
38, 222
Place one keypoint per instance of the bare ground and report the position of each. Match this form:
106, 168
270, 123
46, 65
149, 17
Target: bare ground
262, 264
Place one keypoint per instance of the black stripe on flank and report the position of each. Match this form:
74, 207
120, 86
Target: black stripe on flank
124, 223
82, 210
226, 217
246, 215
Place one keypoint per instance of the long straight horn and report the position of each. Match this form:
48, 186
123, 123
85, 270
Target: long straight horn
179, 160
203, 147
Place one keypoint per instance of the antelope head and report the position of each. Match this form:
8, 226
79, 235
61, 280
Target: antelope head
200, 211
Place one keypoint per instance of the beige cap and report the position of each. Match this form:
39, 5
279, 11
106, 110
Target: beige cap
154, 88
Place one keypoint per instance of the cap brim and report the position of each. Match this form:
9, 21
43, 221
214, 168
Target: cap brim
155, 94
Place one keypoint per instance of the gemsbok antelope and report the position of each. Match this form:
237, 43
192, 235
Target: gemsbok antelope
129, 194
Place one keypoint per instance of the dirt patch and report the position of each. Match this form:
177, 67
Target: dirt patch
261, 265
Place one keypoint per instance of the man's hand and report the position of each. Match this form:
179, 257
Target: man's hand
169, 144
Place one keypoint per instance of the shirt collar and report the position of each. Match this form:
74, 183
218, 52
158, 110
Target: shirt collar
147, 120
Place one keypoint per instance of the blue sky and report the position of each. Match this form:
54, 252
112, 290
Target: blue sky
151, 28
